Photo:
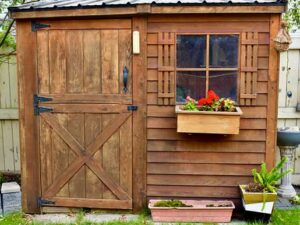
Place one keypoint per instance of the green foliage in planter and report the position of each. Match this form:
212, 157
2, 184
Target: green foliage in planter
171, 203
269, 179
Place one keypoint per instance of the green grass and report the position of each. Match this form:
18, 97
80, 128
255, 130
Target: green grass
279, 217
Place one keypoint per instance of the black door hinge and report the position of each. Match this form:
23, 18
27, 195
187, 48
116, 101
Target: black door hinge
35, 26
132, 108
45, 202
37, 109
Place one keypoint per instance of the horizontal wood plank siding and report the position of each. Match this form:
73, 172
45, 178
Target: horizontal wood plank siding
183, 165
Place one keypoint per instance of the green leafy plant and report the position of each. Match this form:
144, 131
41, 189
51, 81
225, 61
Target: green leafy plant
292, 15
190, 104
171, 203
268, 179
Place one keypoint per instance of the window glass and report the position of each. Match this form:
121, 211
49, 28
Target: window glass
190, 84
191, 51
223, 51
224, 83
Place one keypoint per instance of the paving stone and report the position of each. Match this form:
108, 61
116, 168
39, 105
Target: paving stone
110, 217
11, 197
54, 218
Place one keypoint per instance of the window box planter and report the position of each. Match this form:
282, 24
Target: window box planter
200, 211
253, 201
208, 122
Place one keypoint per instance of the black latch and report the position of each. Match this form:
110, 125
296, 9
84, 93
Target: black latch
35, 26
45, 202
132, 108
36, 100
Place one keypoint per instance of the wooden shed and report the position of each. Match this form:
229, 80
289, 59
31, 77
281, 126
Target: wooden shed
98, 85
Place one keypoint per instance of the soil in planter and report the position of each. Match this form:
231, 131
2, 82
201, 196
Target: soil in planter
254, 187
171, 204
219, 205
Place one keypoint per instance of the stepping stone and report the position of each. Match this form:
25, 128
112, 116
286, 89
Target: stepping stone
11, 197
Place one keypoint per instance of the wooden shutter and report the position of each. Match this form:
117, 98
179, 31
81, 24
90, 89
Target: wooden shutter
248, 79
166, 68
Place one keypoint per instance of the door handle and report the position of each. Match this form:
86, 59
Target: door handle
125, 79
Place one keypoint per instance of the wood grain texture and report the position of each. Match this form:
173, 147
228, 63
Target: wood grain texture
197, 180
57, 59
118, 11
205, 157
191, 191
89, 132
272, 91
200, 169
139, 117
209, 146
27, 87
180, 157
208, 122
93, 125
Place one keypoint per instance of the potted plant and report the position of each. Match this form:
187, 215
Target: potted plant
191, 210
213, 115
261, 195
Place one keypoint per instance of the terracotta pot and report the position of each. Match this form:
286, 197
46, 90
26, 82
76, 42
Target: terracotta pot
199, 212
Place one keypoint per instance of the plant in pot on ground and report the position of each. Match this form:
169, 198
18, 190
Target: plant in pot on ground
260, 195
191, 210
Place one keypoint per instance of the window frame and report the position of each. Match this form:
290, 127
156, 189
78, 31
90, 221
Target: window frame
207, 68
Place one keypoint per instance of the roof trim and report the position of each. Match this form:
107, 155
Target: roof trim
147, 9
79, 6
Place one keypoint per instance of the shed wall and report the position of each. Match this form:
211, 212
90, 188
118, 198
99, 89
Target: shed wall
182, 165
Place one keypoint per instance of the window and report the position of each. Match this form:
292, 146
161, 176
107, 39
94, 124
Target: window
205, 62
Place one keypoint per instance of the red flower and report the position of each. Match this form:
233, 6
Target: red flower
202, 102
213, 95
209, 101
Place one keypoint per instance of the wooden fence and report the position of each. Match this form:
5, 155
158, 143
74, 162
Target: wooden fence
9, 126
290, 82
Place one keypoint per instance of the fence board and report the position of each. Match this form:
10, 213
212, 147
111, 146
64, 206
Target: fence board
287, 114
9, 126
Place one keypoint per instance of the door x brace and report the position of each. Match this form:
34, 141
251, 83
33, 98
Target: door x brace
85, 156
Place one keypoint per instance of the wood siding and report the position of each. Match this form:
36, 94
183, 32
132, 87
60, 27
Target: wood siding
198, 165
9, 124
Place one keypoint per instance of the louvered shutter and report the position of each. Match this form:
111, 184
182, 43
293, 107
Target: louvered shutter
248, 77
166, 68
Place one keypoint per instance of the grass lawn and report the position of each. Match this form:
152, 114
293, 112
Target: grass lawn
279, 217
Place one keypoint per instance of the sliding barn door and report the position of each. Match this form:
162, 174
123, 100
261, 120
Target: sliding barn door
85, 114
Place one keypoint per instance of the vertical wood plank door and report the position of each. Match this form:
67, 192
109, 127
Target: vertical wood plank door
85, 142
